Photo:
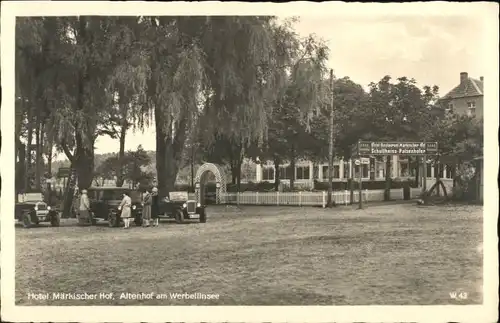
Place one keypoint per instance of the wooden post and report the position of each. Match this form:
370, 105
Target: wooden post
424, 173
360, 181
438, 177
330, 145
300, 198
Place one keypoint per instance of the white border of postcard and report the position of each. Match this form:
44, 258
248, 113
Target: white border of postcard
480, 313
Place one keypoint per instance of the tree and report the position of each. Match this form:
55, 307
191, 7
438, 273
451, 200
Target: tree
460, 140
107, 170
135, 162
127, 82
400, 112
289, 126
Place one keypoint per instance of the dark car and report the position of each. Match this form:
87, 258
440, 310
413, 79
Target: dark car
32, 210
178, 206
105, 202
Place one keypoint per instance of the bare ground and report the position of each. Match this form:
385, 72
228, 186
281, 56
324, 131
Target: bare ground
383, 255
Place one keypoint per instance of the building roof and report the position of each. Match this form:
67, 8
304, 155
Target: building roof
467, 88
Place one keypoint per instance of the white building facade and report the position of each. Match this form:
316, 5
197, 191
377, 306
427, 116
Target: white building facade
375, 169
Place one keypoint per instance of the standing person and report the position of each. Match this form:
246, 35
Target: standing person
125, 206
146, 208
155, 208
84, 209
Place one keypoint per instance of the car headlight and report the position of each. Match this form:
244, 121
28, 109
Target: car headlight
48, 208
184, 205
119, 208
198, 205
133, 207
36, 208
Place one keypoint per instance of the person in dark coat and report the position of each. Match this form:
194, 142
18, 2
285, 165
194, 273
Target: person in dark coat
155, 207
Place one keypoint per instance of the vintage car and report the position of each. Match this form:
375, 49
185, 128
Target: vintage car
105, 202
178, 206
31, 210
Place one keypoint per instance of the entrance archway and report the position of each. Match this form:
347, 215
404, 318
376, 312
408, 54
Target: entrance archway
201, 179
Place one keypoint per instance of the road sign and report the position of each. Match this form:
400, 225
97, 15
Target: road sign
397, 148
64, 172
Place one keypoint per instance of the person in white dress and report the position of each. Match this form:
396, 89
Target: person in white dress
126, 208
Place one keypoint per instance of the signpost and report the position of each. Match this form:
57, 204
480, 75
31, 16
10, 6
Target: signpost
375, 148
382, 148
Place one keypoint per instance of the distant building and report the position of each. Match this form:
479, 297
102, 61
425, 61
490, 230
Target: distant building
466, 98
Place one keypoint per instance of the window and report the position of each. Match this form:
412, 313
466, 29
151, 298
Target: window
303, 172
450, 107
325, 172
404, 170
335, 173
113, 194
365, 171
268, 174
316, 172
440, 171
379, 169
285, 172
346, 170
429, 170
471, 108
450, 171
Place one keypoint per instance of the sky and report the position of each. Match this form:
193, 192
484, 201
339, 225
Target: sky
432, 49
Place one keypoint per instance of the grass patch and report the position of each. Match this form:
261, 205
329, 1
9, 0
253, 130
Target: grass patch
384, 255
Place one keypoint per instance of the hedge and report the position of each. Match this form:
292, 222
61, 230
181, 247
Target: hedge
250, 186
369, 185
318, 186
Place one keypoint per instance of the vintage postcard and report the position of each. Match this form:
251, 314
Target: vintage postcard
261, 162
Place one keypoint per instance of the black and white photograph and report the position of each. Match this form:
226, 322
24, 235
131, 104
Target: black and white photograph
298, 162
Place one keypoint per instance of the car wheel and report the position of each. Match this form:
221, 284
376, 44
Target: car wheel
55, 219
112, 219
27, 220
203, 216
138, 220
179, 217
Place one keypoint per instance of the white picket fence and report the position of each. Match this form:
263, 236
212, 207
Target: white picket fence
310, 198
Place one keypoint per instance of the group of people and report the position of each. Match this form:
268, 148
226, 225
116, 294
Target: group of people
150, 208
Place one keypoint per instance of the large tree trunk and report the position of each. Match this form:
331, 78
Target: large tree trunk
38, 153
276, 174
20, 166
49, 156
169, 149
27, 182
84, 164
121, 158
387, 191
122, 101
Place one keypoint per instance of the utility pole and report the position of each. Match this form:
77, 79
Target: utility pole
330, 148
